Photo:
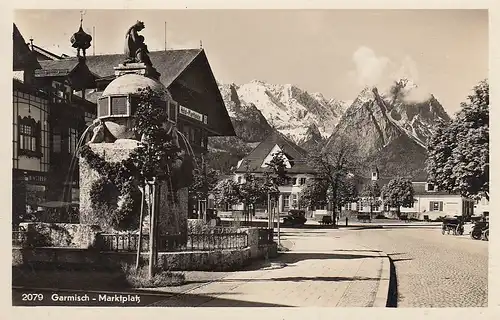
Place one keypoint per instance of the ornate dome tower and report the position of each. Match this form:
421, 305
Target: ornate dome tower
119, 102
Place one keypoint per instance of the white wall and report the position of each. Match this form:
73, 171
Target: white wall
289, 189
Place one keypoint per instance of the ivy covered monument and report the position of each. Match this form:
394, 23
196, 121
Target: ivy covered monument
135, 144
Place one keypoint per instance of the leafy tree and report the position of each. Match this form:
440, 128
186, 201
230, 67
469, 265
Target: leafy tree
278, 166
314, 193
458, 152
398, 193
204, 180
251, 192
371, 191
335, 164
277, 176
226, 193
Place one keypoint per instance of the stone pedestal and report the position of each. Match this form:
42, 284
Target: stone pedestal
137, 68
173, 207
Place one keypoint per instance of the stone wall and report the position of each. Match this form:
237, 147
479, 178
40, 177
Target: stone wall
219, 260
224, 260
60, 234
110, 152
173, 210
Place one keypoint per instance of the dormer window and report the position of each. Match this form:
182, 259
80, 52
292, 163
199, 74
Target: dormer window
61, 92
431, 187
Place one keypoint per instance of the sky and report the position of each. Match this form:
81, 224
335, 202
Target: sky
334, 52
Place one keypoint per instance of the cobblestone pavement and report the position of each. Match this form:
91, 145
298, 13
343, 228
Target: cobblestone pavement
433, 270
323, 270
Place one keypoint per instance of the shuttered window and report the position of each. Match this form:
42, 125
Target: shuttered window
436, 206
118, 105
102, 107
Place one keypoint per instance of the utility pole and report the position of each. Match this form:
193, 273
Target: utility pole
278, 216
141, 218
152, 229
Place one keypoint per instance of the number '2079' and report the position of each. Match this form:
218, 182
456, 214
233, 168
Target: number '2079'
32, 297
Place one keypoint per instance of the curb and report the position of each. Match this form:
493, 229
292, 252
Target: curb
383, 285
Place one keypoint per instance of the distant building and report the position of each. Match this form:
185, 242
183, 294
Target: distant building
297, 170
430, 203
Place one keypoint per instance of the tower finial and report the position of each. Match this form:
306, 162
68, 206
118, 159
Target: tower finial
81, 40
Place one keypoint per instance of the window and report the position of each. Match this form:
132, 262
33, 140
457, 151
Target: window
436, 206
302, 181
62, 92
430, 187
73, 140
56, 140
295, 201
286, 201
239, 179
349, 206
119, 105
29, 137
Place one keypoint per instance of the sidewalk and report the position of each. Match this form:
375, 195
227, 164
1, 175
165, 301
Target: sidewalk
322, 270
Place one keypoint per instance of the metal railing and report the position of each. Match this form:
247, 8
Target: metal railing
174, 243
266, 236
127, 242
216, 241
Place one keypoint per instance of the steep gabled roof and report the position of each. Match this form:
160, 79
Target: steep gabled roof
170, 64
23, 56
43, 54
295, 154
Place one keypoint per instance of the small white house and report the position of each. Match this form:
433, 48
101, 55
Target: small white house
430, 203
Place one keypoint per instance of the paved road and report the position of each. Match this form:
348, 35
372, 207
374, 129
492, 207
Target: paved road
322, 270
433, 270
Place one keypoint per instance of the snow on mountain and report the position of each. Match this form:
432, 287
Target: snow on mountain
391, 127
289, 109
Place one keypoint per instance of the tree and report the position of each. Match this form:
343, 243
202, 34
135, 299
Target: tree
398, 193
226, 192
251, 192
336, 164
458, 152
314, 194
371, 191
204, 180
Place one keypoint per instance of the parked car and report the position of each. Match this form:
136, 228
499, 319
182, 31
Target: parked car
295, 218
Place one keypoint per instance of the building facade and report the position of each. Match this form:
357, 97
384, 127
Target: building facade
297, 170
429, 202
48, 119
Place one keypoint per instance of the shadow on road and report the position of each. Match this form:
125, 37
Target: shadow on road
402, 259
294, 257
